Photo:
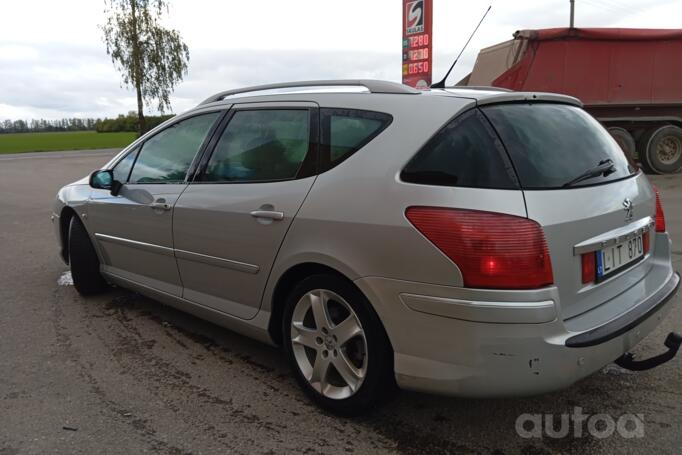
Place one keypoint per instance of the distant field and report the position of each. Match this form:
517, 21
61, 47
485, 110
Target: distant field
72, 140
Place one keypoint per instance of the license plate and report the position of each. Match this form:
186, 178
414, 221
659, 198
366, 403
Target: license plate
614, 258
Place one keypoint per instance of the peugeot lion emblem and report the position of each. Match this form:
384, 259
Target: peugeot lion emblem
627, 206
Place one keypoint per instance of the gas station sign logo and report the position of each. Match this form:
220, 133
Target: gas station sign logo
417, 47
414, 14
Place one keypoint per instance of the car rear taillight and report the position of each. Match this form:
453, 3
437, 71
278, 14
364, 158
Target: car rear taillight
660, 217
589, 267
646, 241
492, 250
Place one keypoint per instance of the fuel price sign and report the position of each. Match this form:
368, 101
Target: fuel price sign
417, 27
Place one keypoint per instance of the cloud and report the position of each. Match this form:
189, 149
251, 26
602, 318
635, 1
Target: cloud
68, 81
59, 80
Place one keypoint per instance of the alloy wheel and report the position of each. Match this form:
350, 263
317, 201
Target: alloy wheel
329, 344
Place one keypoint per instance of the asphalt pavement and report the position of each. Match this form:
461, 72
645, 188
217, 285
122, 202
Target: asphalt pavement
120, 373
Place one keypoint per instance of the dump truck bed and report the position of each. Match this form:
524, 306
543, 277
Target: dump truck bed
598, 66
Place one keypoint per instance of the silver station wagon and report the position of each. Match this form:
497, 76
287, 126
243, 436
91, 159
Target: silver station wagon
470, 242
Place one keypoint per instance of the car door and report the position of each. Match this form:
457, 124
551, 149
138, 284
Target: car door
134, 228
230, 222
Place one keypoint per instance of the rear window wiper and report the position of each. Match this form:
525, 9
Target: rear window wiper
605, 167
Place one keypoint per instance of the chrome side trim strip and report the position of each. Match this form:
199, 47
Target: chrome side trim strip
217, 262
483, 311
149, 247
614, 237
181, 254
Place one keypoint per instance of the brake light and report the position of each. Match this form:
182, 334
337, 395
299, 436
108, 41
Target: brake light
660, 217
589, 267
492, 250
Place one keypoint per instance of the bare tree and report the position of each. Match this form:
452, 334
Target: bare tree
150, 58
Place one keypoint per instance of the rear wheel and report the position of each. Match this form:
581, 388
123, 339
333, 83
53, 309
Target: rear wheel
83, 260
337, 345
626, 142
662, 149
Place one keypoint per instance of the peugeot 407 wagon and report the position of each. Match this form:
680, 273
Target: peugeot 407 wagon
469, 242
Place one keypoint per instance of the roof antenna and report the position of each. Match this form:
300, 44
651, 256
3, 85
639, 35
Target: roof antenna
441, 84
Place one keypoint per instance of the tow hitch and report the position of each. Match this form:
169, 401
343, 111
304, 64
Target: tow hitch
672, 342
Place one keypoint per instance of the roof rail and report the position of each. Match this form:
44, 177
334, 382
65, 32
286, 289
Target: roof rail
480, 87
374, 86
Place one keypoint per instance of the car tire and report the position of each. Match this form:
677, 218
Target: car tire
346, 310
83, 260
663, 149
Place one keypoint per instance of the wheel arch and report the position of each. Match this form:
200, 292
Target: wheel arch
65, 217
286, 283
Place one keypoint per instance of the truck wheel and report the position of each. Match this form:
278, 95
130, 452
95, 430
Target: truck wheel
626, 142
663, 152
83, 260
642, 144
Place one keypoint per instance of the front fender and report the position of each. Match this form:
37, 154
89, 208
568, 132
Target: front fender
71, 201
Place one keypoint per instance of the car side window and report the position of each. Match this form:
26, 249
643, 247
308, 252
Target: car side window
261, 145
166, 156
465, 153
345, 131
123, 167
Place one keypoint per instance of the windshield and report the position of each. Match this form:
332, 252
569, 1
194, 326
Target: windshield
551, 144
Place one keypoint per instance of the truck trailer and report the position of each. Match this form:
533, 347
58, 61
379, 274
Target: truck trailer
628, 79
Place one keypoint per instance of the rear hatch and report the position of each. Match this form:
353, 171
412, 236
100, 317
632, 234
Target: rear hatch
602, 220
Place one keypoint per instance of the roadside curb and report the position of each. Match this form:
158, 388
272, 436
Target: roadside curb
58, 154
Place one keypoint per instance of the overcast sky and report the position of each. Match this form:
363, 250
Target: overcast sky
53, 63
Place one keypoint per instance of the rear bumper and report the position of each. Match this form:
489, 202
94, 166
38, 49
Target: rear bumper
466, 342
629, 320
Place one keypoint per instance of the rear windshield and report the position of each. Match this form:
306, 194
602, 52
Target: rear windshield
552, 144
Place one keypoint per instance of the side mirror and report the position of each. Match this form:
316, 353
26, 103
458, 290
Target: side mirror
104, 180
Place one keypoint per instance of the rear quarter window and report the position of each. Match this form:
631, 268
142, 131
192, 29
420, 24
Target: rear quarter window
551, 144
345, 131
465, 153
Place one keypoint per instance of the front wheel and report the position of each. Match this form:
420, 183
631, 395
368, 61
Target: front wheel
83, 260
337, 345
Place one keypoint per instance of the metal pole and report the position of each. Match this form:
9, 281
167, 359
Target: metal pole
572, 13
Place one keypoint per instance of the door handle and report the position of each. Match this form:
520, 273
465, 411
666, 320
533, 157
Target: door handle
160, 205
268, 215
